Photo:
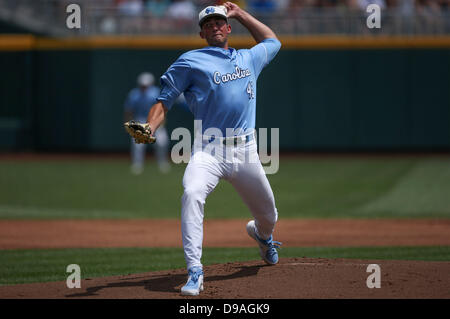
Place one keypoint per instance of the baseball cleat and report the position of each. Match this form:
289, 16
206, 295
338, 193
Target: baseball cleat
194, 283
267, 248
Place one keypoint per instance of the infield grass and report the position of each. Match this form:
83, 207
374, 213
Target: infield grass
28, 266
315, 187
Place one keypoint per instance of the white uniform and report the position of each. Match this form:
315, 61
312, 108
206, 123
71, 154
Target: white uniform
243, 169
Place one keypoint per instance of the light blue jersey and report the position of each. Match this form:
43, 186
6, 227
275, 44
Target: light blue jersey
139, 102
219, 85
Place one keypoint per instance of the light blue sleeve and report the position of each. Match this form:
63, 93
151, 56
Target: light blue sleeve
264, 52
129, 101
174, 81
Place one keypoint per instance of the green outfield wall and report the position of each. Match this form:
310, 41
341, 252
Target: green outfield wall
391, 96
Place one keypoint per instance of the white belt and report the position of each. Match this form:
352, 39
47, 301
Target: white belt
232, 140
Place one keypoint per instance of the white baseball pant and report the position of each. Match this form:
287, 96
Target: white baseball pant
238, 164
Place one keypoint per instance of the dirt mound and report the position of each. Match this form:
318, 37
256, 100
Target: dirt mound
292, 278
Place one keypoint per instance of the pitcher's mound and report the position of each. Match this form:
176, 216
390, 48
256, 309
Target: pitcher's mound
291, 278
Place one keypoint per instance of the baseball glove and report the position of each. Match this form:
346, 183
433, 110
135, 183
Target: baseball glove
141, 132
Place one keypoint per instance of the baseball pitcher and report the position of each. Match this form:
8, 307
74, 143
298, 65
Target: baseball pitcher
219, 85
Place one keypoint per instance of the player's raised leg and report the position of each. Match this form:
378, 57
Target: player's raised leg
252, 184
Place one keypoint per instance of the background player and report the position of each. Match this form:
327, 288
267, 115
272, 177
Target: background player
219, 85
136, 108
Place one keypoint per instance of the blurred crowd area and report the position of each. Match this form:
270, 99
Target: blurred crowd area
188, 9
300, 17
285, 16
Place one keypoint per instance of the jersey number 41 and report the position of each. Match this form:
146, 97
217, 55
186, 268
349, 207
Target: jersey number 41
250, 91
